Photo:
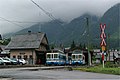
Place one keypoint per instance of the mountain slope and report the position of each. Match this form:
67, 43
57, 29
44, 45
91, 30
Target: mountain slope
53, 29
58, 33
77, 29
112, 20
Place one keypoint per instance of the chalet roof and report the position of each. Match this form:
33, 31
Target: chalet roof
26, 41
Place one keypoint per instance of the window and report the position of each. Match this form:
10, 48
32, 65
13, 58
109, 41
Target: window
30, 56
48, 56
73, 56
19, 57
22, 53
14, 56
77, 56
55, 55
80, 56
25, 57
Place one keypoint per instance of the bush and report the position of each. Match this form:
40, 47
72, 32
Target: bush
111, 65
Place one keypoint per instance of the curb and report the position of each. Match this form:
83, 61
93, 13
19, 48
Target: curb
6, 79
19, 66
46, 68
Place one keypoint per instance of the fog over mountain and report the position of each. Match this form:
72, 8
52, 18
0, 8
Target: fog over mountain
77, 29
66, 10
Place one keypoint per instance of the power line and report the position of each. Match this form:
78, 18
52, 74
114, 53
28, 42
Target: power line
22, 21
47, 13
12, 22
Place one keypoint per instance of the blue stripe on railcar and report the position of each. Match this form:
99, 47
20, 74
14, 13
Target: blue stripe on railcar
55, 63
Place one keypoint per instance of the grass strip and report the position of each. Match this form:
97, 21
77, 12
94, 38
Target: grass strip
99, 69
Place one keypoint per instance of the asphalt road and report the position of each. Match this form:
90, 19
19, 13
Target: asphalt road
59, 74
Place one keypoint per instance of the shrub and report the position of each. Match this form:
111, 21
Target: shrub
111, 65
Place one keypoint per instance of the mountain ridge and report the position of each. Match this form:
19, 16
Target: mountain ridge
76, 29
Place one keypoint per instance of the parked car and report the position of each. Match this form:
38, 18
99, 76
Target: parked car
1, 62
4, 62
22, 61
13, 62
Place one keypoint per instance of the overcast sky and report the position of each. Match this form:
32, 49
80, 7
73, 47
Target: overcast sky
25, 10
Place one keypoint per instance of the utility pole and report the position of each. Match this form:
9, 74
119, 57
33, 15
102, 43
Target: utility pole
108, 46
88, 42
119, 32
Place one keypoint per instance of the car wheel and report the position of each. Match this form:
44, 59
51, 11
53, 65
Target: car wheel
21, 63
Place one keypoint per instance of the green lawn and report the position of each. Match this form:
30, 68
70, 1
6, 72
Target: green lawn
99, 69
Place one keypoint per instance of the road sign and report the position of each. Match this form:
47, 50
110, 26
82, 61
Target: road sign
102, 27
103, 36
103, 43
103, 48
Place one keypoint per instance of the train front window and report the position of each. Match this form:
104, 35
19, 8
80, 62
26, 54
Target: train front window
76, 57
80, 56
48, 56
73, 57
55, 55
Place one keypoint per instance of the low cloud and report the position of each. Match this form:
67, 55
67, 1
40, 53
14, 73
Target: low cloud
25, 10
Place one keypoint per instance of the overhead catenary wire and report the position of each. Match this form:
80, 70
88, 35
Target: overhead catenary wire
47, 13
12, 22
23, 21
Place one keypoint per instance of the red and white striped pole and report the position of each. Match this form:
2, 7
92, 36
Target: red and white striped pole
103, 43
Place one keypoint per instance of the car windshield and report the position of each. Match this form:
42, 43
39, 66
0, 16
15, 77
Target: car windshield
14, 59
